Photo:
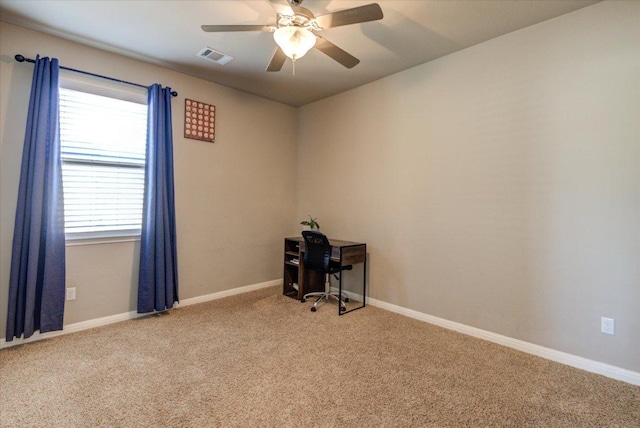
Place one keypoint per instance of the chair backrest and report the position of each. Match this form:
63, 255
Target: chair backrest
317, 250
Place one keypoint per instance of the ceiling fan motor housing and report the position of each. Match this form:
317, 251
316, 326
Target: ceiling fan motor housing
302, 18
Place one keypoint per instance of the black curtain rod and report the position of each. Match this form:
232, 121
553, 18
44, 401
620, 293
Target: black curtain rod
21, 58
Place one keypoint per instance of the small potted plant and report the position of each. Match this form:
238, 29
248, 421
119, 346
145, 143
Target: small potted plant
312, 224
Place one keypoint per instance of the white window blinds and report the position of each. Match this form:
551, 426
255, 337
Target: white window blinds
103, 143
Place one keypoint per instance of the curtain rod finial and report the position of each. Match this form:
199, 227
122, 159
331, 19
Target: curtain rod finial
20, 58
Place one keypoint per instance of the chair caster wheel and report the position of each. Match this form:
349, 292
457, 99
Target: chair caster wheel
342, 309
303, 300
313, 309
346, 300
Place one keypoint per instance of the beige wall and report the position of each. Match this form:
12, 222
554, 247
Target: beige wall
235, 199
498, 187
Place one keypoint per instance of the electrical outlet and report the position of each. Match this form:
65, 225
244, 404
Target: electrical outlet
71, 293
607, 325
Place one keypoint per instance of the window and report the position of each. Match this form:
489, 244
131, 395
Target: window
103, 144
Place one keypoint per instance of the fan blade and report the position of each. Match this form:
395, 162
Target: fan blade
277, 61
281, 7
366, 13
224, 28
335, 53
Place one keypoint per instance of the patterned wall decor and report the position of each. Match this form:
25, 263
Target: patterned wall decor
199, 121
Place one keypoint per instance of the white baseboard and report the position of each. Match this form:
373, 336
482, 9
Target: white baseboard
530, 348
350, 294
227, 293
72, 328
98, 322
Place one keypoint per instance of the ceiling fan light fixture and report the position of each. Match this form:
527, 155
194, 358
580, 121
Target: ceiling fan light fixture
294, 41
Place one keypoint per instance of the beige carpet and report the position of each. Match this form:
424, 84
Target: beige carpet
264, 360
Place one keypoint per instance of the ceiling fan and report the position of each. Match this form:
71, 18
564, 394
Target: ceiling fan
295, 31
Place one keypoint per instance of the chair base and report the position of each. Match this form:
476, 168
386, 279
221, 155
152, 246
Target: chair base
326, 295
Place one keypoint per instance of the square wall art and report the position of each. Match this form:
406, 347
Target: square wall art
199, 121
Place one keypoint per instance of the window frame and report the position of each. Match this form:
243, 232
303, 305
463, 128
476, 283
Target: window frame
122, 91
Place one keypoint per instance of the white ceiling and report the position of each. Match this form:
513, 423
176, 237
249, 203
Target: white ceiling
168, 33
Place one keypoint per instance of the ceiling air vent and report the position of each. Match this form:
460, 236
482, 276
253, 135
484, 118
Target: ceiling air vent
214, 55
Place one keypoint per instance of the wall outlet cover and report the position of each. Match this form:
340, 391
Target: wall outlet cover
607, 325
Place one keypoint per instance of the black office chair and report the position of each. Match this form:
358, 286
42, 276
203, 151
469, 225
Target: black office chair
317, 257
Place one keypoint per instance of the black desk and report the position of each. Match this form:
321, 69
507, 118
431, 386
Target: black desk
297, 281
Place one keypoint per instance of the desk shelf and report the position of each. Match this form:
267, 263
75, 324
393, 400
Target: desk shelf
296, 282
290, 277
